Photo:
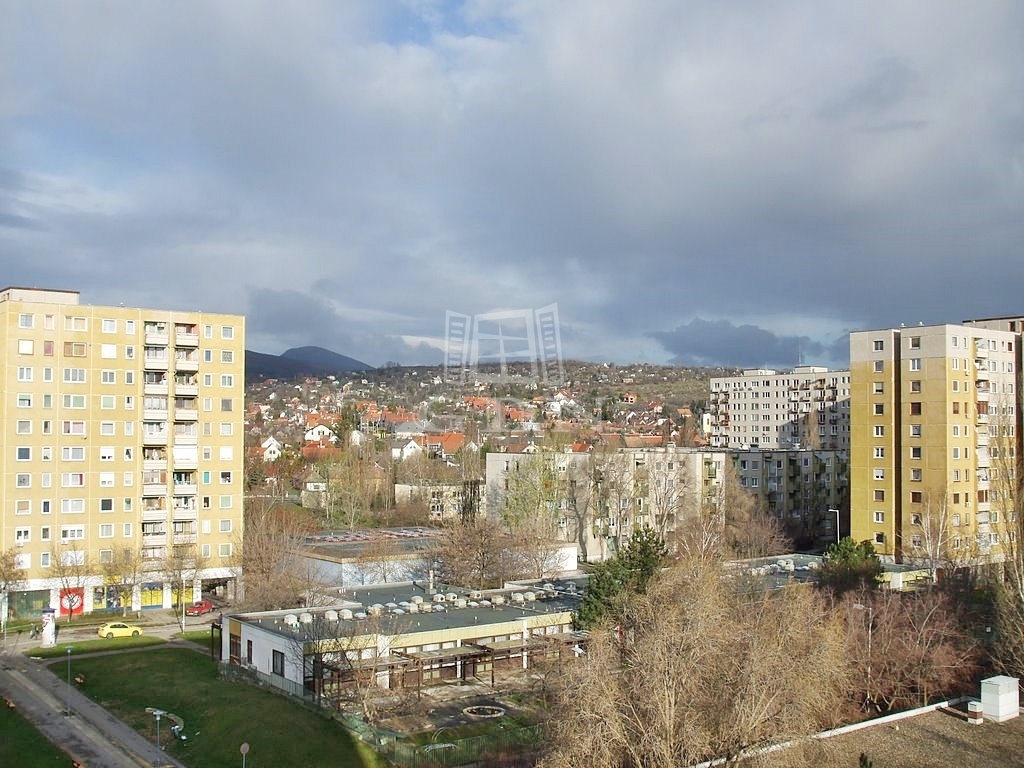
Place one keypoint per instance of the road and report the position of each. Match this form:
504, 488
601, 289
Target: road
89, 734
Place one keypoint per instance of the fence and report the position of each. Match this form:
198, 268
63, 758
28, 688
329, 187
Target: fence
515, 748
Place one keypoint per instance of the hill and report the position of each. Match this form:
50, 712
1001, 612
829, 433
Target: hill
299, 361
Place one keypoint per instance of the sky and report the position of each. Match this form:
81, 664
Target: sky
698, 183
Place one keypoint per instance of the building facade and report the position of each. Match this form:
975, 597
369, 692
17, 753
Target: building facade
121, 451
808, 407
934, 412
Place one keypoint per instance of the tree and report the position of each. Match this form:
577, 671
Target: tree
847, 565
124, 572
71, 568
378, 558
696, 670
907, 648
181, 567
11, 579
615, 580
273, 570
477, 554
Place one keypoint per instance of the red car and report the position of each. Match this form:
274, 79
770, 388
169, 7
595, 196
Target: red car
199, 607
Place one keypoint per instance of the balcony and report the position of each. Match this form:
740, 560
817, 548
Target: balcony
154, 489
185, 538
154, 539
984, 507
154, 515
186, 414
185, 339
980, 349
155, 388
157, 337
186, 514
981, 437
982, 392
981, 418
155, 438
185, 489
155, 363
186, 389
154, 414
982, 460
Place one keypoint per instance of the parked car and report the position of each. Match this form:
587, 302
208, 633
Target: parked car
199, 607
118, 629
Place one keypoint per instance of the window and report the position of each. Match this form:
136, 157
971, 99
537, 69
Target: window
107, 402
224, 550
108, 377
879, 366
915, 342
108, 326
73, 401
956, 407
915, 452
226, 428
879, 516
74, 375
107, 428
44, 559
72, 453
207, 379
879, 537
226, 453
915, 364
74, 349
23, 427
26, 320
956, 430
915, 430
107, 531
72, 532
48, 348
74, 323
879, 430
23, 507
22, 535
129, 377
24, 373
879, 494
278, 663
127, 501
227, 356
129, 351
126, 530
205, 551
129, 327
24, 400
225, 478
227, 380
878, 387
25, 346
72, 506
226, 404
879, 409
879, 452
224, 502
915, 475
207, 355
23, 453
227, 332
107, 453
879, 473
106, 479
129, 402
23, 480
956, 452
72, 479
915, 409
108, 351
225, 526
44, 533
878, 345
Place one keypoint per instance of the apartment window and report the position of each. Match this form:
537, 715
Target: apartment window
107, 428
227, 380
107, 402
207, 355
205, 551
72, 506
107, 453
225, 526
224, 502
23, 453
48, 348
278, 663
129, 351
956, 430
915, 430
915, 475
915, 364
879, 452
72, 453
225, 478
226, 453
45, 480
226, 404
127, 505
226, 428
224, 550
915, 342
207, 379
915, 409
106, 479
72, 532
879, 430
879, 366
878, 387
207, 453
44, 506
24, 373
26, 320
23, 427
879, 473
74, 375
23, 507
107, 531
208, 331
24, 400
956, 475
128, 479
878, 345
72, 479
227, 356
227, 332
879, 494
73, 401
879, 537
879, 409
108, 377
126, 530
129, 327
956, 452
75, 323
879, 516
75, 349
915, 452
44, 559
956, 407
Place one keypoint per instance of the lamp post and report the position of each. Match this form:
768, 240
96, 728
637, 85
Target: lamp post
69, 649
158, 713
871, 620
836, 512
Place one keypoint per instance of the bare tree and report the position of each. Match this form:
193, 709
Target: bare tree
908, 648
124, 572
379, 558
533, 507
182, 567
698, 670
935, 542
477, 555
268, 554
71, 567
11, 579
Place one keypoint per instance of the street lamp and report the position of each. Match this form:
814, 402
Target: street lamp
69, 649
836, 512
158, 713
871, 620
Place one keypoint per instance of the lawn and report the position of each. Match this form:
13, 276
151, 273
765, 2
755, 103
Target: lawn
23, 746
219, 716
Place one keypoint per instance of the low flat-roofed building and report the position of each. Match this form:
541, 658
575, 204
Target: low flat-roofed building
404, 636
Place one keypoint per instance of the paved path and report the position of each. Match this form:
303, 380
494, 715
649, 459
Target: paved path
90, 735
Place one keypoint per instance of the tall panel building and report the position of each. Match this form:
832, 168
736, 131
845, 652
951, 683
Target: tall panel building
120, 439
932, 408
808, 407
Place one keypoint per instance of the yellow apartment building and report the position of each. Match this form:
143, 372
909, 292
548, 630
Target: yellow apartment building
933, 413
121, 451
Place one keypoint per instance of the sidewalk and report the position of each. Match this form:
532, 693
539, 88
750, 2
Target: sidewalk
90, 735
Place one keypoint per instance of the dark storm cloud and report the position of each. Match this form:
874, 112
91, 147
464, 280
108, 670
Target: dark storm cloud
703, 342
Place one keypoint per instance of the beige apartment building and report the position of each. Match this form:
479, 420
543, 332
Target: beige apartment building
120, 442
934, 414
763, 409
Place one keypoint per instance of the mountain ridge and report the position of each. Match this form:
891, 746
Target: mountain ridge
300, 361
